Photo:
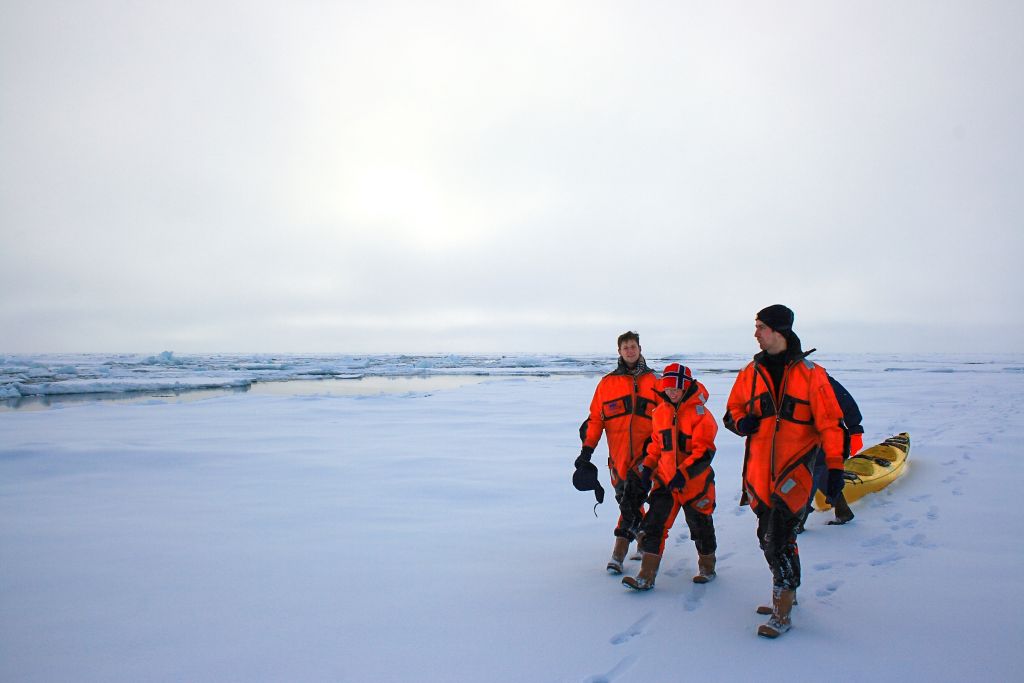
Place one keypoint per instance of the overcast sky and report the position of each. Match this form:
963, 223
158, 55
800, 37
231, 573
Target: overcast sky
509, 176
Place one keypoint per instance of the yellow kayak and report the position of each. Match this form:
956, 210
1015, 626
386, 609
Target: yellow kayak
872, 469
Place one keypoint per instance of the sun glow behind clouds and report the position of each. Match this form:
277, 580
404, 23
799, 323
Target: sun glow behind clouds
409, 205
402, 203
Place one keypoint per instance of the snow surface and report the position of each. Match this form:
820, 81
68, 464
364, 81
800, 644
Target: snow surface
435, 535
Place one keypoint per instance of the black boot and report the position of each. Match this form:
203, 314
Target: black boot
843, 512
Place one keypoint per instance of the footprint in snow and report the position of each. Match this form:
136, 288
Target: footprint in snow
921, 498
949, 462
963, 472
822, 566
933, 512
829, 589
694, 597
894, 518
906, 524
919, 541
635, 629
615, 672
885, 540
676, 568
886, 559
958, 491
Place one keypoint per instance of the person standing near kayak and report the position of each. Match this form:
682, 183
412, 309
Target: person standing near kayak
852, 419
622, 407
785, 407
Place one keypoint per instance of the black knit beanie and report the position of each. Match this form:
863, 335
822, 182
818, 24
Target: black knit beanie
585, 479
777, 317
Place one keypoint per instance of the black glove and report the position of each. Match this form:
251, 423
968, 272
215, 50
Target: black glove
834, 487
748, 424
645, 477
678, 481
583, 457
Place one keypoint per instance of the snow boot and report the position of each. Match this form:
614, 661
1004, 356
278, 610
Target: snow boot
767, 609
618, 555
638, 554
644, 580
843, 512
705, 568
779, 623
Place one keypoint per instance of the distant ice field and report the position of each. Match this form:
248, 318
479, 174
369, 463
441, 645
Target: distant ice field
40, 381
359, 386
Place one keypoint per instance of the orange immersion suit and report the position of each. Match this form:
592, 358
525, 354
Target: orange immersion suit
622, 407
683, 441
681, 449
794, 420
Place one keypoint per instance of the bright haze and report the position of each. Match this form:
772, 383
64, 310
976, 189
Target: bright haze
509, 176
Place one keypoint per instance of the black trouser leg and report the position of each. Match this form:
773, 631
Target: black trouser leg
661, 512
776, 532
819, 478
702, 530
630, 496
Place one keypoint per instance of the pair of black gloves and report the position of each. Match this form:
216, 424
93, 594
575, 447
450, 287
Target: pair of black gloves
749, 424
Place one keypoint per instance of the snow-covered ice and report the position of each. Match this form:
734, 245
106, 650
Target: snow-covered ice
433, 533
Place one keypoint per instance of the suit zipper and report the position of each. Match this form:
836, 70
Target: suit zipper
675, 436
632, 456
778, 416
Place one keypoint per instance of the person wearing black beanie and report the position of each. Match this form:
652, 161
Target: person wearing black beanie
778, 317
785, 407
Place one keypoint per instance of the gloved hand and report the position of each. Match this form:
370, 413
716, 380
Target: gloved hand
633, 496
678, 481
645, 477
834, 487
748, 424
583, 457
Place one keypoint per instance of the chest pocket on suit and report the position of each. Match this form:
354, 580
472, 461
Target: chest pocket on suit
667, 444
666, 439
796, 410
617, 407
644, 407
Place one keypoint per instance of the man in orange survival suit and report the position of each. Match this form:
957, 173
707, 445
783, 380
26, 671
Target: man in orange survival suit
679, 462
622, 407
785, 407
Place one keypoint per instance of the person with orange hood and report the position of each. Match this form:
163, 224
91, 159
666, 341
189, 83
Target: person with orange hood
622, 407
786, 409
678, 465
